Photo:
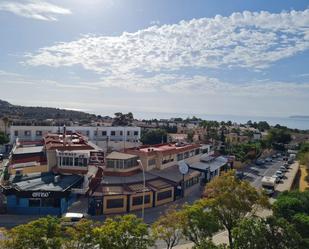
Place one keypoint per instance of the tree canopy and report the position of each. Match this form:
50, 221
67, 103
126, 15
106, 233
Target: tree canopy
231, 199
155, 136
121, 119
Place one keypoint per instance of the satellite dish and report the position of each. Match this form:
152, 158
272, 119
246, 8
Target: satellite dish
183, 167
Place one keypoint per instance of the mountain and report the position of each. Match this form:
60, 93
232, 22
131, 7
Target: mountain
33, 113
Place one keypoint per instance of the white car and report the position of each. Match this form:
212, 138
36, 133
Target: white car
279, 173
283, 169
277, 178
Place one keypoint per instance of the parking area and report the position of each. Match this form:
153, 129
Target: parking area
254, 173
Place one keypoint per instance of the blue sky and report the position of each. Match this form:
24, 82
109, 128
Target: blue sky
194, 57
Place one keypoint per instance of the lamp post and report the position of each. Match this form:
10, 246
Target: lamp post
144, 186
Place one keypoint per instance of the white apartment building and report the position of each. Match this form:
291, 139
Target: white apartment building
114, 137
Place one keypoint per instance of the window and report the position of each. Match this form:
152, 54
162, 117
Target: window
186, 154
110, 163
34, 202
205, 150
128, 133
135, 133
95, 133
113, 133
104, 133
179, 157
87, 133
16, 133
139, 200
197, 151
27, 133
121, 133
164, 195
38, 133
151, 162
130, 163
50, 202
114, 203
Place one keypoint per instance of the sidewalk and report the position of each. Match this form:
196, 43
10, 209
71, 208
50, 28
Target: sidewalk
290, 176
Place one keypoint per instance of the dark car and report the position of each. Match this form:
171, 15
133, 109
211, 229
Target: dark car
1, 157
239, 175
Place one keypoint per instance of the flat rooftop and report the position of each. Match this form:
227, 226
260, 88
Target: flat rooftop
46, 182
70, 141
120, 156
165, 148
28, 150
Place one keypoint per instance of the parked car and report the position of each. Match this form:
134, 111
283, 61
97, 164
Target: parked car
278, 154
274, 156
286, 165
259, 162
70, 219
268, 159
283, 169
239, 175
279, 173
277, 178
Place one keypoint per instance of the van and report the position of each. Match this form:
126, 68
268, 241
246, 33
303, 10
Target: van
70, 219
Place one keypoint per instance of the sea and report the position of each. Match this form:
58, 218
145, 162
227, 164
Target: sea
301, 123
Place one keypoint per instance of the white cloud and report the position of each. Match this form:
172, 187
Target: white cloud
250, 40
35, 9
200, 85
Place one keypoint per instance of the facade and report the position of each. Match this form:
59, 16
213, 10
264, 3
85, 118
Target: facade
114, 137
47, 176
41, 194
121, 188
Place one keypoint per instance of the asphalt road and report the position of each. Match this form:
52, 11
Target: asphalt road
254, 173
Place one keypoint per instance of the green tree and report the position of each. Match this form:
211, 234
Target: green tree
208, 244
121, 119
155, 136
263, 126
80, 236
199, 223
294, 207
278, 136
44, 233
190, 136
231, 199
169, 227
3, 138
270, 233
123, 232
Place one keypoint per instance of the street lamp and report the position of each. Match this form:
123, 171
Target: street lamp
144, 186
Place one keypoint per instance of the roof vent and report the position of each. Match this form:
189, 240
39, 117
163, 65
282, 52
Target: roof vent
57, 178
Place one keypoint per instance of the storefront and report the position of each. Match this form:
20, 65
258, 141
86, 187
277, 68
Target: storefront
41, 195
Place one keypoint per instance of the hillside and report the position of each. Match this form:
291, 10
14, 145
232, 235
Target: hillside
29, 113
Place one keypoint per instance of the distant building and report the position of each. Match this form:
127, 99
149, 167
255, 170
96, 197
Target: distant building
107, 137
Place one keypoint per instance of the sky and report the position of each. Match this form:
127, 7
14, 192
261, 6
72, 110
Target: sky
154, 57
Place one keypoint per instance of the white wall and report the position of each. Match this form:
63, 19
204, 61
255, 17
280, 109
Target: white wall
94, 133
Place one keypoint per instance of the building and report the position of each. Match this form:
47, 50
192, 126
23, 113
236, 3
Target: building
211, 166
162, 156
121, 188
41, 194
107, 137
47, 176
